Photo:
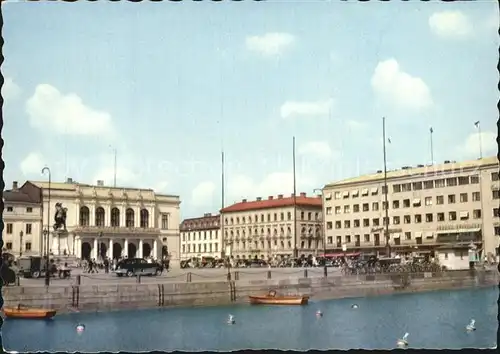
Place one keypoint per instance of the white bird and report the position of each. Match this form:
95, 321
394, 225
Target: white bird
230, 319
80, 328
471, 326
354, 306
319, 313
403, 342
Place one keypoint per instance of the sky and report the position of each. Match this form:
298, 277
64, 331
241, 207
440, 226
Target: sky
170, 85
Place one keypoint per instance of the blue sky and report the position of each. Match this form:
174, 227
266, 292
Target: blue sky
169, 84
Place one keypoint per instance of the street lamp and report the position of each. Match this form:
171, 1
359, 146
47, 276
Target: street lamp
46, 232
99, 235
21, 243
325, 270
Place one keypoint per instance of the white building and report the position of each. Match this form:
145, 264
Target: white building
201, 237
113, 222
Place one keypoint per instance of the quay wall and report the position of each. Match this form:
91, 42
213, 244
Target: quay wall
104, 297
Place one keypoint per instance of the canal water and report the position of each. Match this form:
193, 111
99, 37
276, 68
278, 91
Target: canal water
433, 320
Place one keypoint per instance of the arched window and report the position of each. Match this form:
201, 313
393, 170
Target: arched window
99, 217
129, 218
84, 216
115, 217
144, 218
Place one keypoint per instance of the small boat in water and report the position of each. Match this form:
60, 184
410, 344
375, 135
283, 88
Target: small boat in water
28, 313
272, 299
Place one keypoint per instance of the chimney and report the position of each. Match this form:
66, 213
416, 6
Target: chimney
100, 183
280, 196
244, 201
259, 199
15, 185
270, 197
69, 180
207, 214
446, 161
302, 194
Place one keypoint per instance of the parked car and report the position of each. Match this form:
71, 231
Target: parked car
133, 266
31, 266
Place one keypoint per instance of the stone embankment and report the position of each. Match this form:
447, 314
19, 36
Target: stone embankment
104, 297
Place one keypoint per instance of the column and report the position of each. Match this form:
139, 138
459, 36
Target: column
92, 215
107, 218
125, 248
138, 216
94, 250
78, 247
110, 249
123, 211
155, 249
139, 251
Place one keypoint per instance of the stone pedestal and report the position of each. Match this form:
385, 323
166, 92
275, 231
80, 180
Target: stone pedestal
60, 243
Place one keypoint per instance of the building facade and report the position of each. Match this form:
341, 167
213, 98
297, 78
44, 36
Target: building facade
22, 218
201, 237
103, 221
282, 226
446, 208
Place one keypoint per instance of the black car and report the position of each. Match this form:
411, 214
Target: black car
133, 266
32, 266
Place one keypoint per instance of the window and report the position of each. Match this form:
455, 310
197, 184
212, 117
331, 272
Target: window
366, 222
347, 209
452, 216
282, 216
385, 220
428, 184
406, 187
417, 186
451, 182
476, 214
375, 206
115, 217
356, 223
496, 195
439, 200
289, 214
8, 245
366, 207
494, 176
339, 241
406, 203
366, 237
348, 238
338, 210
374, 191
464, 215
418, 218
10, 209
345, 195
337, 195
328, 210
144, 218
497, 230
446, 255
417, 202
376, 222
27, 246
396, 188
338, 224
395, 204
451, 199
28, 229
384, 205
439, 183
384, 189
355, 208
496, 212
428, 217
408, 235
407, 219
463, 180
476, 196
428, 201
396, 220
329, 225
29, 209
440, 216
9, 228
474, 179
347, 224
463, 198
129, 218
99, 217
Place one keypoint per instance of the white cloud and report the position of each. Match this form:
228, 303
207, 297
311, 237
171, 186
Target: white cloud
291, 109
32, 164
270, 44
10, 90
355, 125
488, 144
49, 109
203, 194
399, 88
450, 24
318, 149
124, 176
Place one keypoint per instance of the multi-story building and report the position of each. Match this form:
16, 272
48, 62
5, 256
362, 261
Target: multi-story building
107, 221
264, 228
201, 237
444, 208
22, 218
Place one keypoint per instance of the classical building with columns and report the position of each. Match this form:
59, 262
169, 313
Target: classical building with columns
104, 221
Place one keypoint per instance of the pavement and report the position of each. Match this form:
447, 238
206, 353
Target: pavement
180, 275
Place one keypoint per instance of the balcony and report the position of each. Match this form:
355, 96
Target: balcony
116, 230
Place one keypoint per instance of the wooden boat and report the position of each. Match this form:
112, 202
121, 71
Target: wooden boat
272, 299
28, 313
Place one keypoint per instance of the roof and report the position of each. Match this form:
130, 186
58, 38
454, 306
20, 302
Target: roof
207, 222
269, 203
418, 171
18, 196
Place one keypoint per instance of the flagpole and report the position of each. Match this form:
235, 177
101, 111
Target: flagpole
478, 126
432, 147
295, 253
386, 202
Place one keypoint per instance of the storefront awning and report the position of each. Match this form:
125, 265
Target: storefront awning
457, 231
331, 255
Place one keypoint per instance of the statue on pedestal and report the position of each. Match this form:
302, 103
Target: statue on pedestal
60, 217
59, 229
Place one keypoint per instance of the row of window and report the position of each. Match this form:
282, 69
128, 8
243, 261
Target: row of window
270, 246
408, 219
407, 203
9, 228
27, 246
200, 248
303, 230
10, 209
415, 186
100, 217
233, 221
205, 235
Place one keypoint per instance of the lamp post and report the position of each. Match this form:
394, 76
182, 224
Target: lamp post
325, 270
46, 232
99, 235
21, 243
344, 250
